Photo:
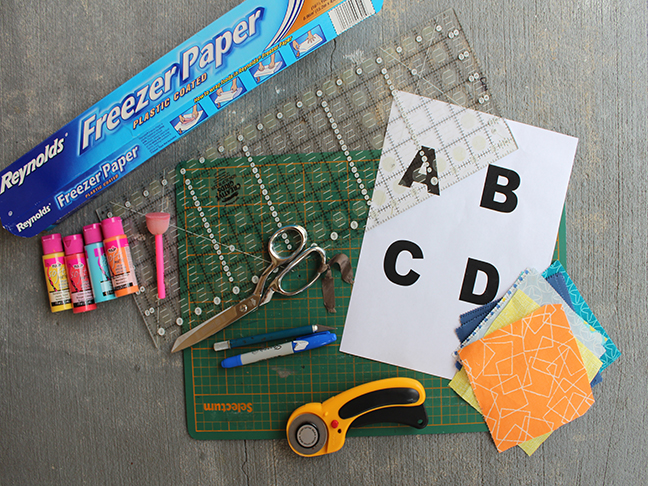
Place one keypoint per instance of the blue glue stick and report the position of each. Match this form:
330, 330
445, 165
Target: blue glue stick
100, 278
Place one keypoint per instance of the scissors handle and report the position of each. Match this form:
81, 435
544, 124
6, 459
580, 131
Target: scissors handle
276, 284
276, 259
274, 256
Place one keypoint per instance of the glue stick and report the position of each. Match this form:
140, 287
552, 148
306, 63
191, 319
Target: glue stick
102, 288
55, 275
119, 257
77, 273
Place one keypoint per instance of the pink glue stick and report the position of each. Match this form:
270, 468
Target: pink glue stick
157, 224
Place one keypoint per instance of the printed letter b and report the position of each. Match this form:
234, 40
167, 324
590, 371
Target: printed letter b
491, 187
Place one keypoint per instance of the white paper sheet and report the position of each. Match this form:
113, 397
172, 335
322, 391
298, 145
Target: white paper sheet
413, 326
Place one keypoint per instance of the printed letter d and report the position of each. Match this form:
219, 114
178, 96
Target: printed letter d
470, 277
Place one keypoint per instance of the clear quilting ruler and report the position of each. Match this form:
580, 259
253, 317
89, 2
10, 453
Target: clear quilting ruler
345, 112
429, 146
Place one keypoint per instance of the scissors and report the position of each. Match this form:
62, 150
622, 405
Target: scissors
260, 296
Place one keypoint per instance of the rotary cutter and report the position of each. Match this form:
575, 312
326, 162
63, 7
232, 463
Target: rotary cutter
315, 429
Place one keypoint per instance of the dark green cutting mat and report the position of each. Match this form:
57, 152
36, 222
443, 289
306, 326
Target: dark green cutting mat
227, 208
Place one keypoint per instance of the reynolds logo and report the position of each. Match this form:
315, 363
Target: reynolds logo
28, 224
17, 177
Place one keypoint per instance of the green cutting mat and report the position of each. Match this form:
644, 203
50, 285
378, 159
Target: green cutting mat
229, 208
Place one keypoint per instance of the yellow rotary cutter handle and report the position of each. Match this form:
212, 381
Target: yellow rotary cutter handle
315, 429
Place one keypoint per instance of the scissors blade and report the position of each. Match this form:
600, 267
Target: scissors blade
217, 323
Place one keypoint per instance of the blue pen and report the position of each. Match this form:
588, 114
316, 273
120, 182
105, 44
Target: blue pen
271, 336
303, 343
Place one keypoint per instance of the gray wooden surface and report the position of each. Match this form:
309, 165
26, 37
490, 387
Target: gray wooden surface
86, 399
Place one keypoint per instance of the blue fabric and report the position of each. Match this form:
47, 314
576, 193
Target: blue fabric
597, 379
470, 320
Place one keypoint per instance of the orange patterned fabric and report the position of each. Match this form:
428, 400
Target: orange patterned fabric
528, 377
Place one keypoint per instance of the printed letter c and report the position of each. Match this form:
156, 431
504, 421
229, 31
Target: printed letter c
389, 264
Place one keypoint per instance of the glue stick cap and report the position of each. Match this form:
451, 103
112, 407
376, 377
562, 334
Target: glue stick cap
112, 227
73, 244
92, 233
52, 244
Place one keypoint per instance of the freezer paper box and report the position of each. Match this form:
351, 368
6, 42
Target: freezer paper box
228, 58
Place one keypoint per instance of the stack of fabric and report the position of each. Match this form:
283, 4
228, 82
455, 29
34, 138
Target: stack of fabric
530, 359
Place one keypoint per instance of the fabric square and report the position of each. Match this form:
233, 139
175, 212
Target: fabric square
536, 287
557, 281
461, 385
612, 353
547, 385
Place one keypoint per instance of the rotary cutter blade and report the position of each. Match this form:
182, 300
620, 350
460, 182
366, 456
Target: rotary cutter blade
315, 429
307, 434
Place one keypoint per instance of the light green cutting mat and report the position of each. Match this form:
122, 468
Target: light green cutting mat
227, 207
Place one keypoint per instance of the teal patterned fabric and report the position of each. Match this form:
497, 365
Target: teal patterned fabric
581, 308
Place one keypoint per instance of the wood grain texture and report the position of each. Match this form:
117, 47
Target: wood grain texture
86, 399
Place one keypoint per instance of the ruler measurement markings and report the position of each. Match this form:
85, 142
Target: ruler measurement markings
360, 106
